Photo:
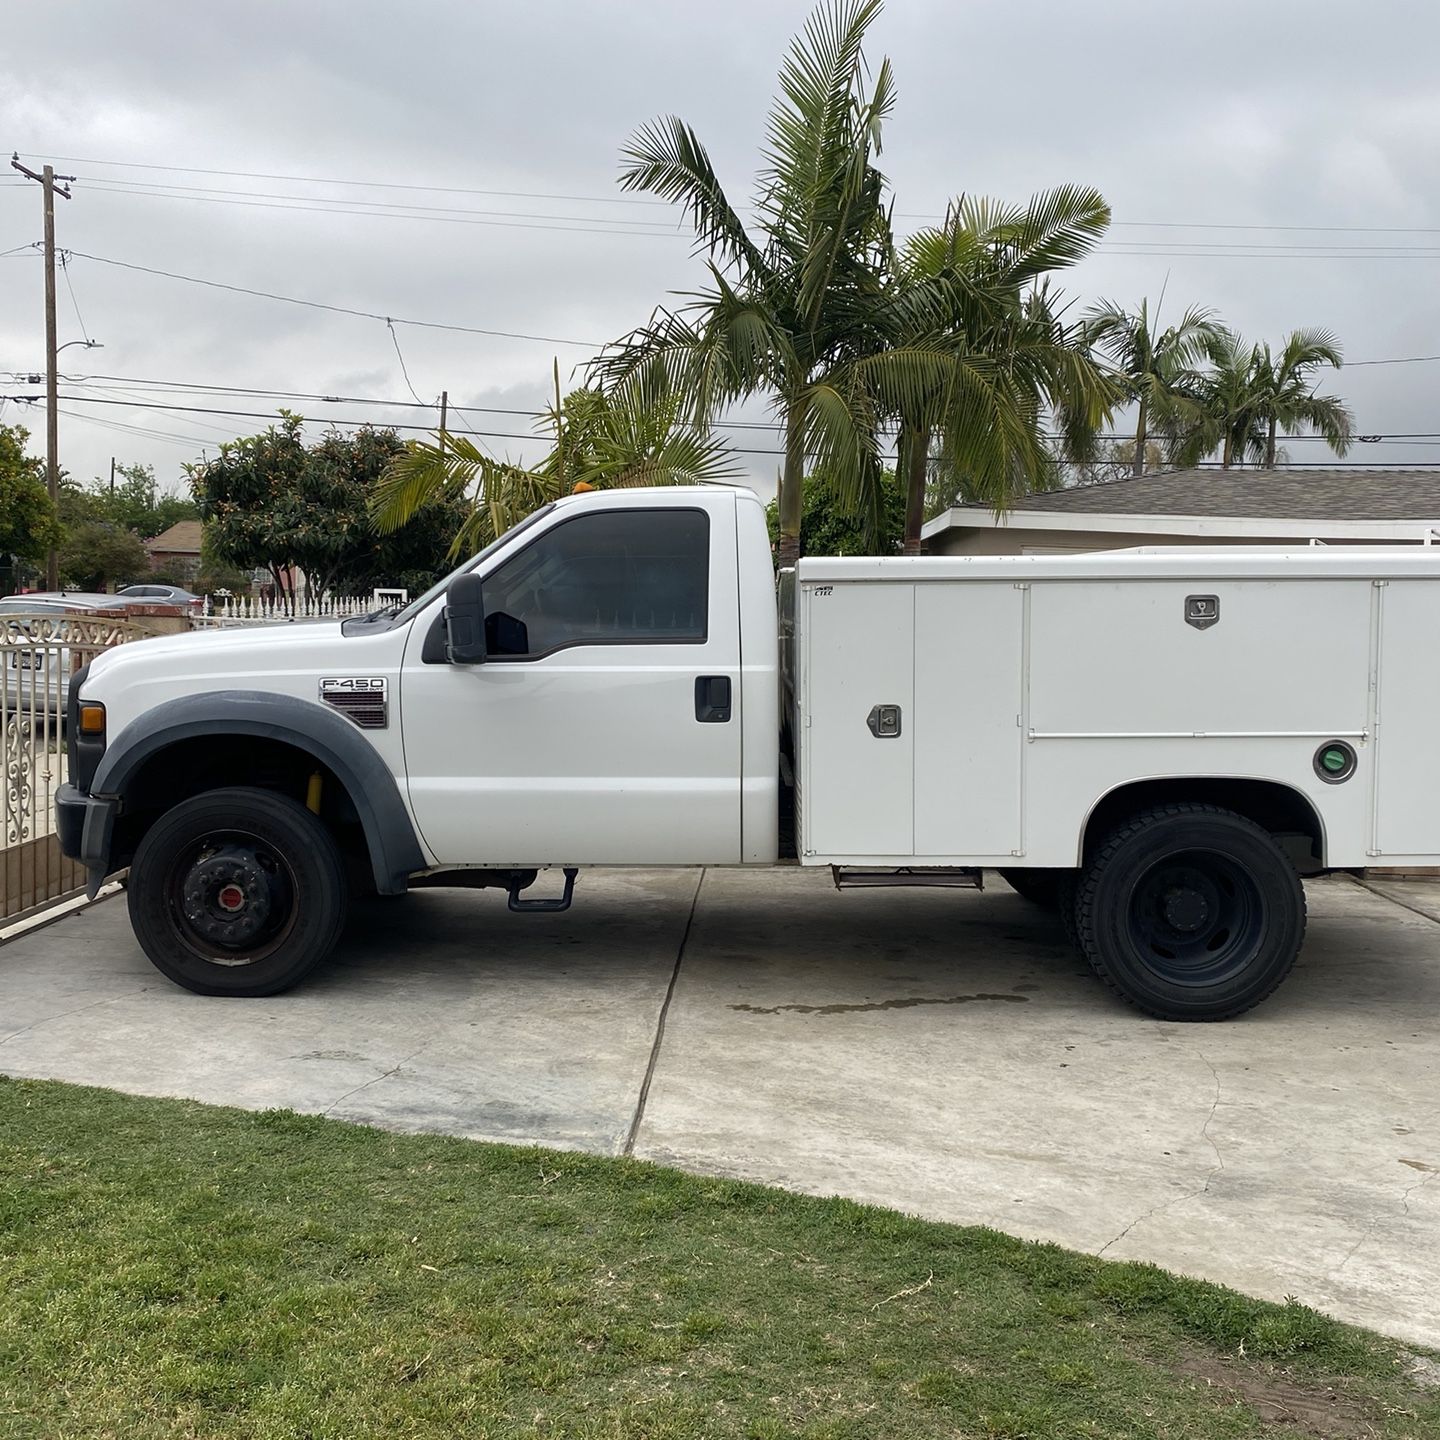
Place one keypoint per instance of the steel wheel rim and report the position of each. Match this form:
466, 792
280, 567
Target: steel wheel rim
1196, 918
202, 901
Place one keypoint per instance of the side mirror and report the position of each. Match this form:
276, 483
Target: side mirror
465, 621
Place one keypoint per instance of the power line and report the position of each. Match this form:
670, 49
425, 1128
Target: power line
395, 339
335, 420
325, 205
150, 386
334, 309
168, 191
65, 271
1408, 438
631, 200
309, 208
366, 184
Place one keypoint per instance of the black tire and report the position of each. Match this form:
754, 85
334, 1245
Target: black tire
1190, 912
1039, 887
265, 853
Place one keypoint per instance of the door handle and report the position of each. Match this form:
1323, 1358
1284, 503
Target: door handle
712, 699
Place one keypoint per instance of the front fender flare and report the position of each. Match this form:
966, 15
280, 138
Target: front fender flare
395, 851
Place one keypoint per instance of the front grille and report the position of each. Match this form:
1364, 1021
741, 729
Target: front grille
368, 711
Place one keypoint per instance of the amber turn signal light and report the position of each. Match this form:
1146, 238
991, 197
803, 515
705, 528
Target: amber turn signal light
92, 719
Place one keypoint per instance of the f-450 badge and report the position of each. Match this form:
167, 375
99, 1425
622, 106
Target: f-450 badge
362, 697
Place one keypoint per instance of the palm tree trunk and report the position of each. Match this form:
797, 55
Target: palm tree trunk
1138, 468
1270, 446
1228, 452
914, 460
791, 500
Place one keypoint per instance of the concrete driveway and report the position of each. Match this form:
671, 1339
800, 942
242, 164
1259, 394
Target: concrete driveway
943, 1052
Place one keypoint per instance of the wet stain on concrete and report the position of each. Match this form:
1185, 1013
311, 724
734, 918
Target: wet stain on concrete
902, 1004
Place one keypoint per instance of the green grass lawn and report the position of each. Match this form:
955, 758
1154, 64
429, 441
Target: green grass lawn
172, 1269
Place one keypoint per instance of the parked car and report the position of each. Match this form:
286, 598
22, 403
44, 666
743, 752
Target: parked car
64, 602
163, 595
37, 681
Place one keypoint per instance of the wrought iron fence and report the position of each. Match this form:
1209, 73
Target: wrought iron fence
38, 656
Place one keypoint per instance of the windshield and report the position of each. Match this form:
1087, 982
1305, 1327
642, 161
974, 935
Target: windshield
435, 591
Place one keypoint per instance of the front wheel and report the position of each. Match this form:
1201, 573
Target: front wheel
237, 892
1190, 912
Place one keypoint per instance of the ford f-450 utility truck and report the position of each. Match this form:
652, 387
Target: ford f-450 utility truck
1158, 743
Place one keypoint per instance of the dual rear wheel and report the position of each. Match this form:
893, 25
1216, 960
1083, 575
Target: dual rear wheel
1189, 912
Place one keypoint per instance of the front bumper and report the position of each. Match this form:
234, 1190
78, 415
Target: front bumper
85, 825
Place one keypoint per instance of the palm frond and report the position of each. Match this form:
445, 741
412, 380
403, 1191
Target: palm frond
667, 159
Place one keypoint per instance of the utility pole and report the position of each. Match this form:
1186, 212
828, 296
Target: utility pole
48, 179
444, 410
112, 475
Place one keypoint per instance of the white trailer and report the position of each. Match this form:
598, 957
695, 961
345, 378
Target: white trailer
1158, 743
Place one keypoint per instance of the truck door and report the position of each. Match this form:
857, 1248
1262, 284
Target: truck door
604, 725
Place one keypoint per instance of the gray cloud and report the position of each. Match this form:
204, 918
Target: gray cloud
1229, 114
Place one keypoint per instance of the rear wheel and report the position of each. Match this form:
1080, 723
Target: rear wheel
1190, 912
237, 892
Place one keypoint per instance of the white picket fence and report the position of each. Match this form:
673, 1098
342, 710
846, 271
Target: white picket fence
247, 610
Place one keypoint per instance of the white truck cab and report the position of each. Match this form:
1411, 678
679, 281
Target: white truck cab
1158, 743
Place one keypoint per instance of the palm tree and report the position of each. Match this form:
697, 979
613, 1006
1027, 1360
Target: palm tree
1291, 403
1229, 399
629, 438
972, 319
1249, 396
1158, 372
783, 309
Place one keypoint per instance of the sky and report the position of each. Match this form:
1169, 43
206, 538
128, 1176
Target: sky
1278, 162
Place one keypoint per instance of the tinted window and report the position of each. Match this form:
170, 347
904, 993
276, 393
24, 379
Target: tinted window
623, 578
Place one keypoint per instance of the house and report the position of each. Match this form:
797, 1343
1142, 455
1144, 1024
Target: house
176, 550
1209, 507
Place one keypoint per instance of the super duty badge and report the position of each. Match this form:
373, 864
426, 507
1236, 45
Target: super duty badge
362, 697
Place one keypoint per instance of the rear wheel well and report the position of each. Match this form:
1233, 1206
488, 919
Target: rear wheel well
1284, 812
196, 764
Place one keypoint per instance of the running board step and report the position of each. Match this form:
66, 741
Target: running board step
935, 877
542, 907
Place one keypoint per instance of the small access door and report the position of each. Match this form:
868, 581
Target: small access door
856, 740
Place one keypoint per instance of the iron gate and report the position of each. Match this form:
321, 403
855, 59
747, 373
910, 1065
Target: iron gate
38, 655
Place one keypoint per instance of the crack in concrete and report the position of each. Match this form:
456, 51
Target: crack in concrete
1374, 1224
902, 1004
65, 1014
395, 1069
1215, 1169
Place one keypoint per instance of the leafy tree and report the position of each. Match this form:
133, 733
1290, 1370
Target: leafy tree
783, 308
1157, 371
271, 502
96, 555
1111, 460
828, 529
974, 293
28, 525
134, 503
603, 440
1289, 400
1250, 395
816, 310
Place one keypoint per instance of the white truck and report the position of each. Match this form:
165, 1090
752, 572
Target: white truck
1157, 743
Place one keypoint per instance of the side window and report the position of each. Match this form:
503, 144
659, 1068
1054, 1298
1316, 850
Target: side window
627, 577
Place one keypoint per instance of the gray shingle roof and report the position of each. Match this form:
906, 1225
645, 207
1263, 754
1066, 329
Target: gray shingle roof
1259, 494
